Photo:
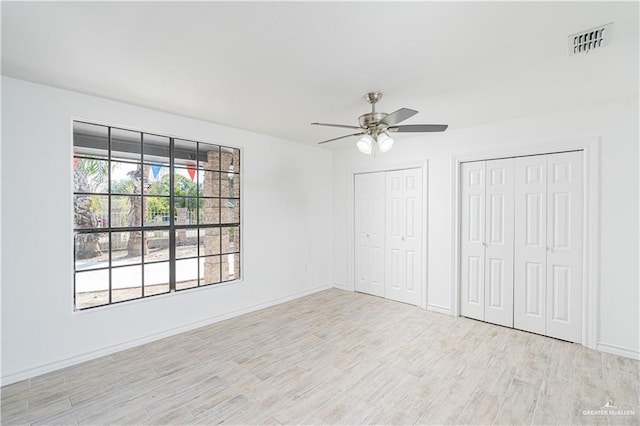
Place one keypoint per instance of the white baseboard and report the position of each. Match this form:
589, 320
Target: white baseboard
340, 286
617, 350
67, 362
439, 309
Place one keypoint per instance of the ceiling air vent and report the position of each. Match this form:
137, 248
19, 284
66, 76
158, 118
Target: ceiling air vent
586, 41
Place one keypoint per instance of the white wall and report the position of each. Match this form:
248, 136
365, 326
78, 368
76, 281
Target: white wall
287, 198
614, 123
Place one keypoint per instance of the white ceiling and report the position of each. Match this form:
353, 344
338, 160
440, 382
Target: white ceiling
274, 67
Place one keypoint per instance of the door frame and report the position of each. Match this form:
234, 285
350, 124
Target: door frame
591, 221
351, 176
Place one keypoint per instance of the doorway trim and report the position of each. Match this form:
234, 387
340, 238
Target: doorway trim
591, 222
351, 175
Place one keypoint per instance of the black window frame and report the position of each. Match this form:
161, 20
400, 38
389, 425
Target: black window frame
232, 200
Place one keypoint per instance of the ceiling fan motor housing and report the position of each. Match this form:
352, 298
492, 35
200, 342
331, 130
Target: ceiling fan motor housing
371, 119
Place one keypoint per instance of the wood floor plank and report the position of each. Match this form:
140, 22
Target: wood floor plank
519, 403
14, 409
38, 412
179, 416
337, 357
481, 408
554, 403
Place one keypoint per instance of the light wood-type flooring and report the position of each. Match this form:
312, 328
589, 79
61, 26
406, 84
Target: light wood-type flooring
338, 357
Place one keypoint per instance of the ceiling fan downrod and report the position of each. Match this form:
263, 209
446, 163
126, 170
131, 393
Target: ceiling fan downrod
370, 120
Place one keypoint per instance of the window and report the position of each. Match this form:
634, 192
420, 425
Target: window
152, 214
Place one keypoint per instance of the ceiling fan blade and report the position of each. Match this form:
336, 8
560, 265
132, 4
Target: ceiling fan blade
398, 116
419, 128
342, 137
344, 126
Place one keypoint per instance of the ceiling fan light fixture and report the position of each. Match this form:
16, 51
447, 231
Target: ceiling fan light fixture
365, 145
385, 142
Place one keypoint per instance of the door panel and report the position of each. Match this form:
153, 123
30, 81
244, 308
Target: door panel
499, 242
410, 212
362, 268
475, 217
564, 255
369, 191
410, 265
560, 293
496, 283
362, 193
395, 274
533, 218
412, 249
530, 260
496, 214
377, 234
560, 225
395, 279
475, 287
404, 240
534, 289
471, 237
396, 213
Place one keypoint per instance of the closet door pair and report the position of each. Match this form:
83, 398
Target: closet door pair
549, 245
388, 234
487, 241
521, 243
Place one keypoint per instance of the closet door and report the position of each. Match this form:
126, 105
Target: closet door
404, 236
564, 246
548, 245
499, 240
530, 243
369, 190
472, 240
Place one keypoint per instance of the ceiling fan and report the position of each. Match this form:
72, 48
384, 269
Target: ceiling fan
376, 126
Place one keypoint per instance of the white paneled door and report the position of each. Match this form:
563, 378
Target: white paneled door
498, 277
388, 234
472, 239
548, 248
530, 244
487, 241
369, 191
403, 259
564, 246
